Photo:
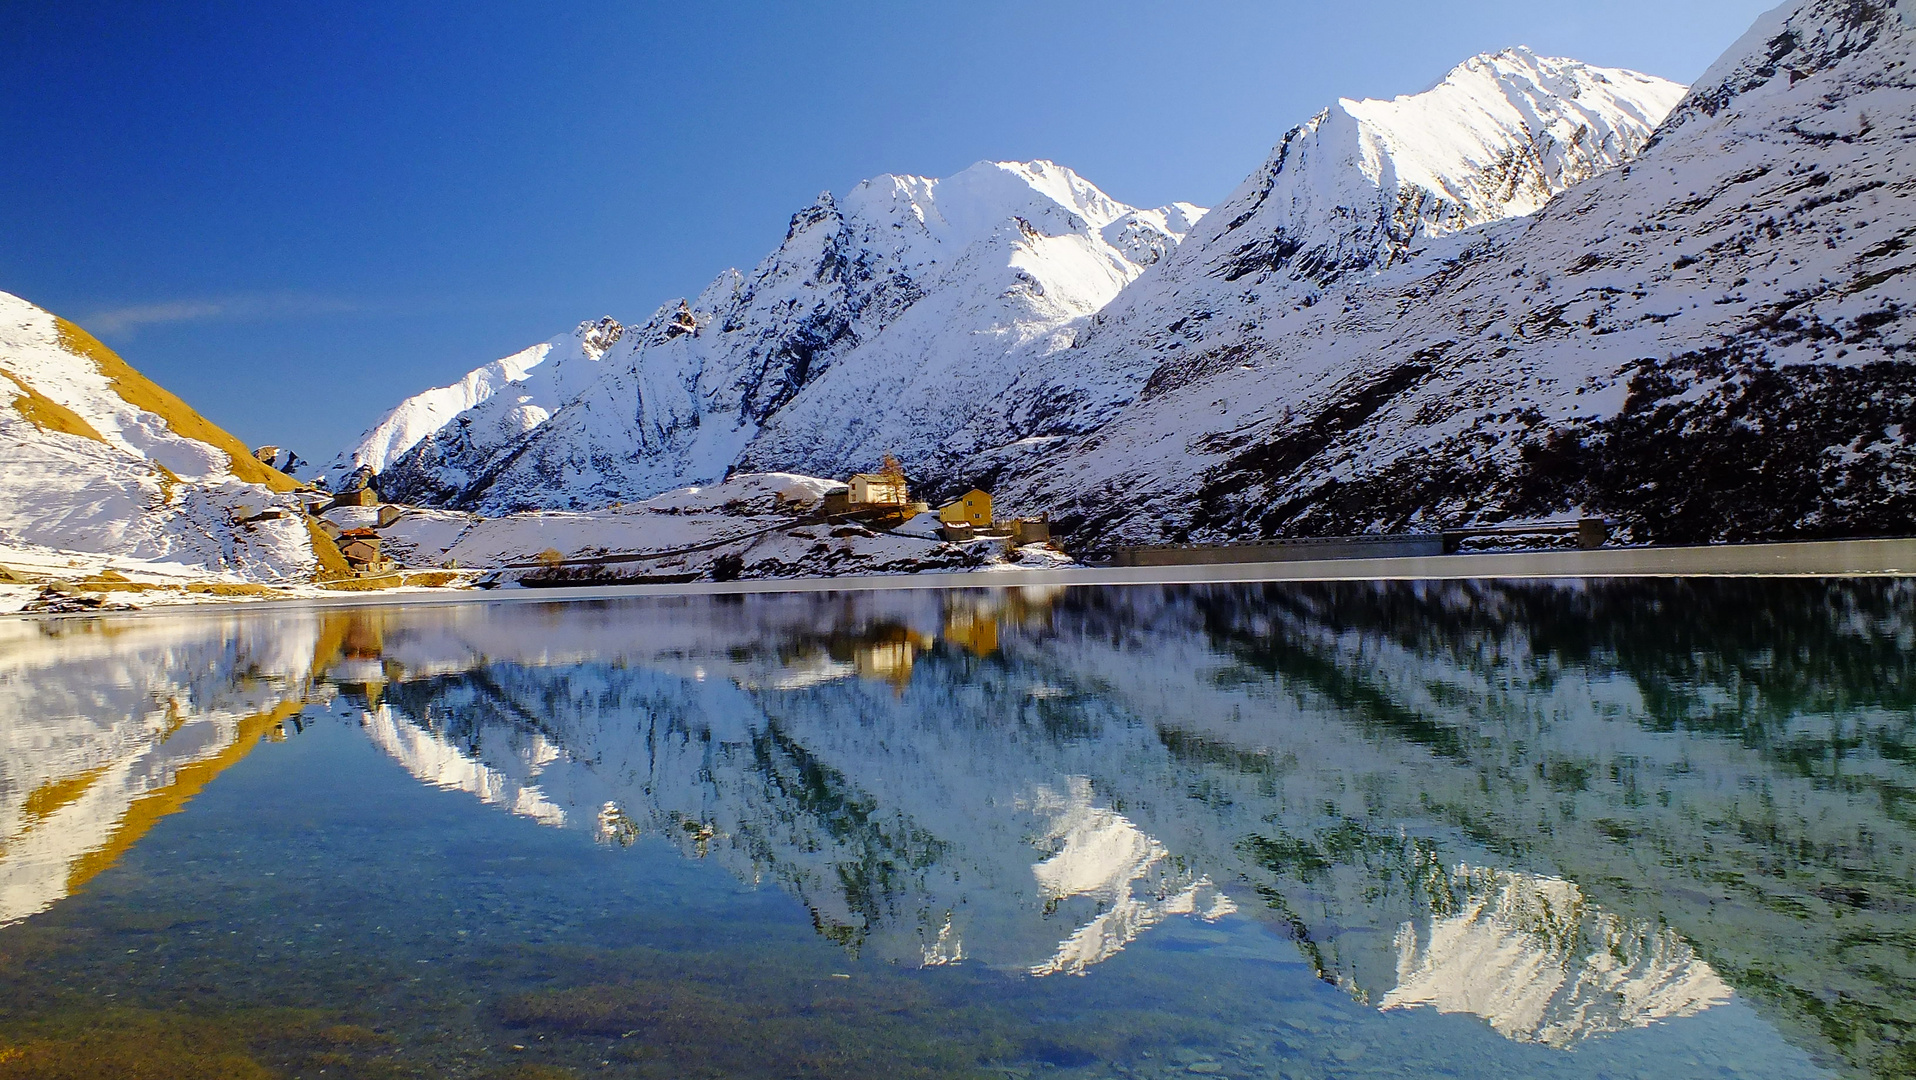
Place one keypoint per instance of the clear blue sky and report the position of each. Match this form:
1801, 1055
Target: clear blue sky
296, 214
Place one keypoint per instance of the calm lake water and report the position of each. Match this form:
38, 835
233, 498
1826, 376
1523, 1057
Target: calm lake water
1609, 829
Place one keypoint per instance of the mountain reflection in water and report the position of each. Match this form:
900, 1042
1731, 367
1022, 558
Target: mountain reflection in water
1529, 954
1566, 809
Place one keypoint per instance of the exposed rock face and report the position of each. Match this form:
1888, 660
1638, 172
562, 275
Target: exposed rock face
1708, 344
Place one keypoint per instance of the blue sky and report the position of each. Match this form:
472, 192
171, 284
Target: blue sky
295, 215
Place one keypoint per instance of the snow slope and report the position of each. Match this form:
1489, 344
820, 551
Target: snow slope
1710, 343
422, 414
884, 322
96, 460
1501, 135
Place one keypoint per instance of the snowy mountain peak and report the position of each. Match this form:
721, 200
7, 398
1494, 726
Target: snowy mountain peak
1361, 187
428, 445
596, 336
932, 218
960, 322
420, 416
1357, 185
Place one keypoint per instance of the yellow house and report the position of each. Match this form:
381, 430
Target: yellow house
972, 508
879, 489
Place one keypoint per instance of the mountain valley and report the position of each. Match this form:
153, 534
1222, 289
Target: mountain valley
1538, 291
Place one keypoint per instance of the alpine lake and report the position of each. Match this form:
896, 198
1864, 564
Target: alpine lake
1623, 828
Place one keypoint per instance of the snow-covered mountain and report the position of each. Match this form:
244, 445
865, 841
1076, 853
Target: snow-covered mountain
433, 445
532, 399
885, 321
1356, 186
1709, 343
96, 460
957, 322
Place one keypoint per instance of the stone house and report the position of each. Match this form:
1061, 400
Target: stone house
1031, 531
361, 548
365, 496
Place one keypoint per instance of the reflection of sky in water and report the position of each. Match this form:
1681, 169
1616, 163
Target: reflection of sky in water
1409, 796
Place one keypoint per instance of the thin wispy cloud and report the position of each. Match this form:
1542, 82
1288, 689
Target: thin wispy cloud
128, 320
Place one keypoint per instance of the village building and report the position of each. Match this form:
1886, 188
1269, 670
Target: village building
1031, 531
365, 496
973, 629
361, 549
973, 508
879, 489
888, 654
881, 495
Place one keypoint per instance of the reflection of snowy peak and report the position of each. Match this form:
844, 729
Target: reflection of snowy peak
1707, 343
96, 459
882, 323
1036, 779
892, 858
1534, 958
1100, 855
431, 757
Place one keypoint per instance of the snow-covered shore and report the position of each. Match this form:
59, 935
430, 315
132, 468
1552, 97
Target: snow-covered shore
762, 526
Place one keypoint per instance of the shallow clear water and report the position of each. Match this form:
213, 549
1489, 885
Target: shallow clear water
1612, 829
